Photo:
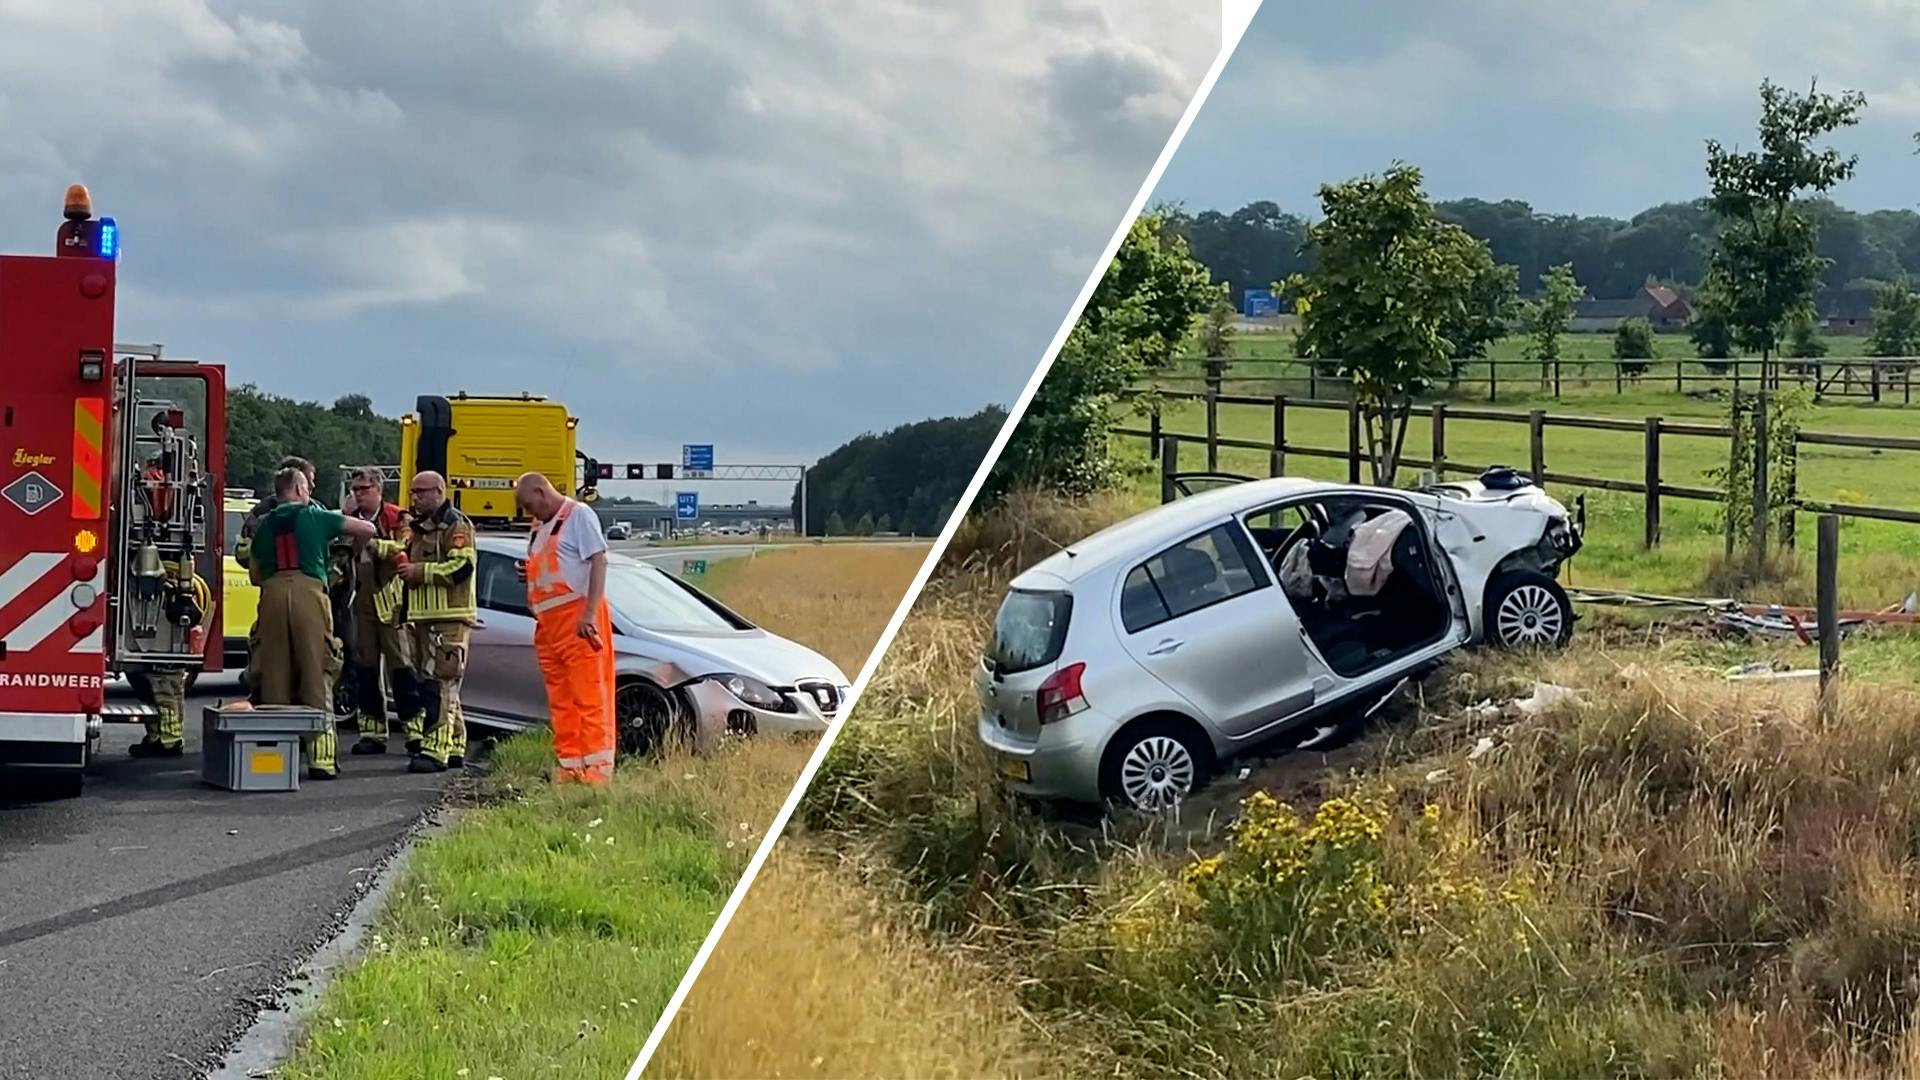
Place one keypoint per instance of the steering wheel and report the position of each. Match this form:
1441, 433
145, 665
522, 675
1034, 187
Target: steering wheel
1308, 532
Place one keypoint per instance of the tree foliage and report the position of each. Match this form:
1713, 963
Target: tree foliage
1896, 321
1803, 338
263, 428
1633, 345
1391, 281
911, 477
1766, 266
1062, 443
1154, 286
1216, 333
1546, 318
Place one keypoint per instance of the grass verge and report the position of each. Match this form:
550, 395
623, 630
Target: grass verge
544, 932
1665, 875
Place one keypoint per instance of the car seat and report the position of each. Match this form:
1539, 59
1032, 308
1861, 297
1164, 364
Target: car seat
1191, 579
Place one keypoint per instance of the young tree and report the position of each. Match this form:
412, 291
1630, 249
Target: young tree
1712, 335
1896, 321
1634, 346
1061, 443
1765, 267
1547, 318
863, 527
1491, 304
1216, 333
1804, 341
836, 525
1391, 279
1156, 285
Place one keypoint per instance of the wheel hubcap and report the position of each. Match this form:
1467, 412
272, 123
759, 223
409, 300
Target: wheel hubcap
1157, 773
1529, 616
646, 717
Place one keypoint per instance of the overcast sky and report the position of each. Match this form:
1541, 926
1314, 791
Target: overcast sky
766, 224
1593, 109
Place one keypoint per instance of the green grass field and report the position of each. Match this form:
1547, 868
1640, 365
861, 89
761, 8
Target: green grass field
1881, 560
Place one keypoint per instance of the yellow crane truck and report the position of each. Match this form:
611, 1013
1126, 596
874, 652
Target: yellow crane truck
482, 443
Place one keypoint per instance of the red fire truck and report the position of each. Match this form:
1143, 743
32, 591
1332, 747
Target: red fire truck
108, 504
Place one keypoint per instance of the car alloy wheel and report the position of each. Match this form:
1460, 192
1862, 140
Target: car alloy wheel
1530, 616
1157, 772
649, 718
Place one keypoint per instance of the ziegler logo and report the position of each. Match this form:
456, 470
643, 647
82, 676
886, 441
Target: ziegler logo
24, 460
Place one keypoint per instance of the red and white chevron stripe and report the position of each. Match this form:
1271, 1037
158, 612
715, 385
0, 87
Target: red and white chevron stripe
39, 596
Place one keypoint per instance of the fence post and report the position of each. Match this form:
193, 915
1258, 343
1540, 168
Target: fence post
1213, 425
1680, 376
1876, 380
1789, 510
1537, 444
1556, 378
1653, 482
1619, 377
1277, 457
1440, 442
1827, 599
1353, 440
1760, 483
1153, 433
1493, 380
1169, 465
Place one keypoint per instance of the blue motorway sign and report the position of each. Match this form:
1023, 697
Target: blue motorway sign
686, 506
1259, 302
697, 457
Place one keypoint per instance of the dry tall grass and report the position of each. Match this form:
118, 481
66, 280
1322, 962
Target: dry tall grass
1671, 875
834, 598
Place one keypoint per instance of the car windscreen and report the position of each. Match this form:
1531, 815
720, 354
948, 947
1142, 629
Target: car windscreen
233, 520
1029, 630
646, 597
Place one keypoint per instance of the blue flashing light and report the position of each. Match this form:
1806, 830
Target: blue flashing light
109, 239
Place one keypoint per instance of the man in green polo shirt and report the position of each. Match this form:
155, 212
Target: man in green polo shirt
288, 560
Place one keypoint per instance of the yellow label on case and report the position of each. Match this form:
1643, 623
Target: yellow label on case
267, 761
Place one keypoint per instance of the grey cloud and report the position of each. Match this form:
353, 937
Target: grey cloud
774, 221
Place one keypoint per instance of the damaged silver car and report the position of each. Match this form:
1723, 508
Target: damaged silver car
1130, 665
688, 668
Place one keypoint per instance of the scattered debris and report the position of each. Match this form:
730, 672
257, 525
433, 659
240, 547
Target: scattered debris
1436, 776
1320, 735
1481, 748
1545, 696
1632, 673
1761, 671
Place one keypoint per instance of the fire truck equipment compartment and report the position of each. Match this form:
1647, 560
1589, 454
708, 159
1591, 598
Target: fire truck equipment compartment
256, 749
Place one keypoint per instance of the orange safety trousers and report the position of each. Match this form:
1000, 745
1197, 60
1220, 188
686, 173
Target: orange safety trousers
579, 692
579, 677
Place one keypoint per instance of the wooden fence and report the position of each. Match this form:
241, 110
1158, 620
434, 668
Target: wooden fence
1882, 380
1654, 430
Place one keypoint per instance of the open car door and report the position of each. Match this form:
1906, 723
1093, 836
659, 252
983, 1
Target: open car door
1181, 485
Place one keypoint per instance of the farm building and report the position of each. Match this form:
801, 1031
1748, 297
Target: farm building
1658, 304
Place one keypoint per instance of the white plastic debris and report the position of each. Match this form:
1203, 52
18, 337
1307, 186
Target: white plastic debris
1769, 675
1436, 776
1545, 696
1632, 673
1481, 748
1320, 735
1244, 773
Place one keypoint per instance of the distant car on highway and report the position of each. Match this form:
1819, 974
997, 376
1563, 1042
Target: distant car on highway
684, 662
1128, 666
620, 530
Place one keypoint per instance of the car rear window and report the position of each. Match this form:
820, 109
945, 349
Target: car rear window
1029, 630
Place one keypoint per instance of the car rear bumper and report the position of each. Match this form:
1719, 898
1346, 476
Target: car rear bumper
1064, 763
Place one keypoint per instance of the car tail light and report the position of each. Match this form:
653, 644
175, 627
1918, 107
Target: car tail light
1060, 696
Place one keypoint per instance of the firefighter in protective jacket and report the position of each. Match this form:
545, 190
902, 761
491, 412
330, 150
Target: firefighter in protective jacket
380, 640
437, 563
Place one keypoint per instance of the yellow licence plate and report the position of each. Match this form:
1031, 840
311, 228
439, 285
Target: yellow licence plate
1015, 769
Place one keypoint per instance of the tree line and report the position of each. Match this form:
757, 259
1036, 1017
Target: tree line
1611, 258
263, 428
1390, 293
907, 480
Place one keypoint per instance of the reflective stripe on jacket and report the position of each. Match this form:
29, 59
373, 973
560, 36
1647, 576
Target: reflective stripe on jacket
547, 587
443, 543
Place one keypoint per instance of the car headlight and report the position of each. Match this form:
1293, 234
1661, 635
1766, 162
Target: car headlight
753, 691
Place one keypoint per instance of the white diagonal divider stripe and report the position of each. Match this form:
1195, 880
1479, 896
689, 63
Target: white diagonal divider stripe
36, 627
92, 643
32, 566
1231, 13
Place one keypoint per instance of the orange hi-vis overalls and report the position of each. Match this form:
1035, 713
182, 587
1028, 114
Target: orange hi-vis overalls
579, 677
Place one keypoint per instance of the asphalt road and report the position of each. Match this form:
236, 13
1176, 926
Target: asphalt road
143, 923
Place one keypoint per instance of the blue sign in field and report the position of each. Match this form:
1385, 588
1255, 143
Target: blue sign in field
1259, 303
686, 506
696, 457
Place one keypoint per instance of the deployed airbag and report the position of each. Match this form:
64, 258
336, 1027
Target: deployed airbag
1370, 555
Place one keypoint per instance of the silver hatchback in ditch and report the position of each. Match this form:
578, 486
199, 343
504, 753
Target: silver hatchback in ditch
1128, 666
